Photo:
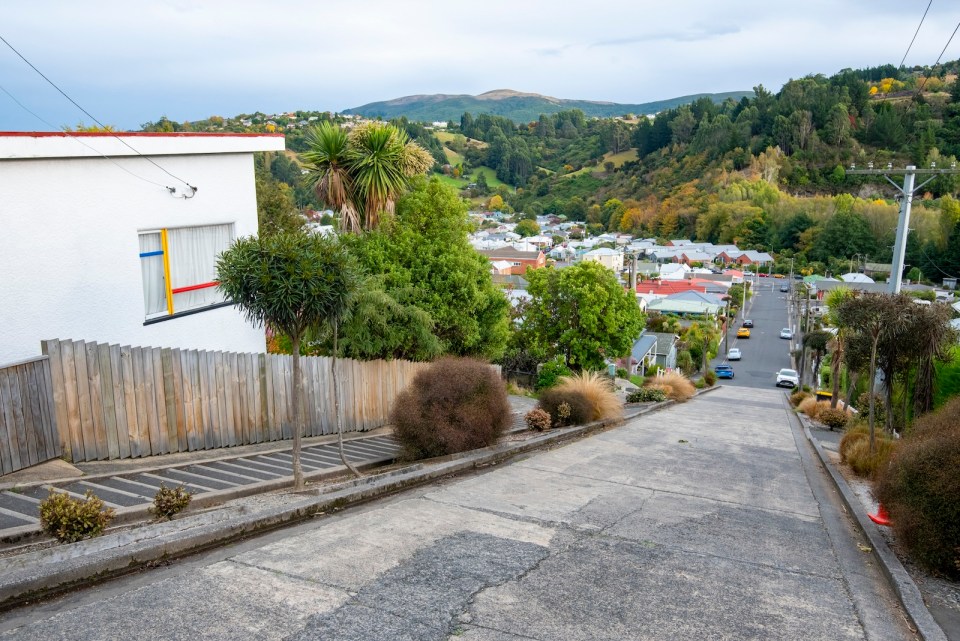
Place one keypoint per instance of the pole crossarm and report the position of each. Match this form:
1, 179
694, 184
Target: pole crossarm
910, 187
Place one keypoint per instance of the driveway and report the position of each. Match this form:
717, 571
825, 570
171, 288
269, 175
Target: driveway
706, 520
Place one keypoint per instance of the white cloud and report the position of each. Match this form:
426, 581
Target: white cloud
132, 62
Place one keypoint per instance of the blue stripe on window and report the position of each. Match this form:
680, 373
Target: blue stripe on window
147, 254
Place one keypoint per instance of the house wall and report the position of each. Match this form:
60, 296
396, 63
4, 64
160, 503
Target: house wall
69, 251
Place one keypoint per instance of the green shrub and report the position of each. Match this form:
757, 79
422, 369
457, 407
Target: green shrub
537, 419
550, 372
920, 487
833, 418
168, 502
797, 397
456, 404
68, 519
710, 377
652, 370
578, 408
646, 395
699, 383
879, 408
622, 373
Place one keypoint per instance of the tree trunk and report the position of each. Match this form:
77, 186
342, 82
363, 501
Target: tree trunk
336, 405
835, 373
924, 386
297, 391
852, 377
873, 377
888, 403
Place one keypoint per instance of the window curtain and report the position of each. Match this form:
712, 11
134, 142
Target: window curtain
193, 261
151, 267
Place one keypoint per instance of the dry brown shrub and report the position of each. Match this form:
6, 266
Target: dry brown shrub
676, 386
597, 389
862, 461
565, 407
798, 396
921, 489
809, 406
456, 404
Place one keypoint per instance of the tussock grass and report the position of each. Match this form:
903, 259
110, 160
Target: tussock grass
677, 387
595, 387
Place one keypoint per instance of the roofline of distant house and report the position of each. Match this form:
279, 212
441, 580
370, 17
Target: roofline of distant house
146, 134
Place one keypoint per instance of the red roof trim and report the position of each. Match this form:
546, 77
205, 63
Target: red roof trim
124, 134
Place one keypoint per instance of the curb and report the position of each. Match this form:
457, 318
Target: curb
903, 586
95, 560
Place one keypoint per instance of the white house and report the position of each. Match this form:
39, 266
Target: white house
114, 238
609, 258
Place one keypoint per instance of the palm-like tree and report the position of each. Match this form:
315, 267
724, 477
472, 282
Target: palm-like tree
362, 173
834, 299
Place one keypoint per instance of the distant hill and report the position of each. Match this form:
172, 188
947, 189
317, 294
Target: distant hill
516, 105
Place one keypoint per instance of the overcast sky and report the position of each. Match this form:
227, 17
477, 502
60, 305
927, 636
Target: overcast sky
129, 62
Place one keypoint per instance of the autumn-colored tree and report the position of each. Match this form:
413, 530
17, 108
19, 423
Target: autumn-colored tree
495, 203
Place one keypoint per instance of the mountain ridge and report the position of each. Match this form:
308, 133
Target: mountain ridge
519, 106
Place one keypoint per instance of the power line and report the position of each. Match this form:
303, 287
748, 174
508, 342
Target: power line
915, 34
92, 117
24, 107
938, 58
936, 266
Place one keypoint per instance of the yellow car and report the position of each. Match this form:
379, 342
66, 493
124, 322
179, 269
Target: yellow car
743, 332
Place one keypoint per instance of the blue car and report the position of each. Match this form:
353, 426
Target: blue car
723, 371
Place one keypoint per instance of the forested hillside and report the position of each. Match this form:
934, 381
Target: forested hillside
765, 172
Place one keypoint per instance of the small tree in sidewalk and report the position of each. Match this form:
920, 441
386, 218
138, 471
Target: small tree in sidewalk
290, 283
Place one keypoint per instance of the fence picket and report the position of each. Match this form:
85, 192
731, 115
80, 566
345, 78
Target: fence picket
119, 402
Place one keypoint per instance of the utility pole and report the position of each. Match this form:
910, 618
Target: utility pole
910, 172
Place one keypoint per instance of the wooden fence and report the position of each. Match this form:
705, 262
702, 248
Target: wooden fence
126, 402
28, 428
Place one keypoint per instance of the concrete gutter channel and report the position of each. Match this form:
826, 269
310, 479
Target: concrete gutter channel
903, 586
49, 571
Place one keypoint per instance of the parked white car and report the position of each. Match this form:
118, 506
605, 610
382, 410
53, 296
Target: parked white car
787, 333
733, 354
788, 377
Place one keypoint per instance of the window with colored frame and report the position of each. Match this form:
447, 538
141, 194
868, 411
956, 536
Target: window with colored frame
178, 266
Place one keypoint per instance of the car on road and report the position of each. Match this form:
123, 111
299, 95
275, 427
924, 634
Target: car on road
784, 288
787, 333
743, 332
747, 322
723, 371
733, 354
788, 377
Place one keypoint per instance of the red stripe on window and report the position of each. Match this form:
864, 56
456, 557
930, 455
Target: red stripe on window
180, 290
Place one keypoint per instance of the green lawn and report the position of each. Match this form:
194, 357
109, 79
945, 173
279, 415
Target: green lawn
461, 183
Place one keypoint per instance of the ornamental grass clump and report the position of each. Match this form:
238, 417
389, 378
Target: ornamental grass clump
598, 391
676, 386
454, 405
855, 450
811, 407
68, 519
920, 487
565, 408
797, 397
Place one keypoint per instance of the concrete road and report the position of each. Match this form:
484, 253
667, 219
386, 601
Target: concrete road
764, 353
707, 520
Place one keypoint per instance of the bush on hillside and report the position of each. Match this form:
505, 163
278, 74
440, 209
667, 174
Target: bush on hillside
597, 389
550, 373
537, 419
565, 408
810, 406
168, 502
646, 395
920, 487
834, 418
456, 404
68, 519
710, 378
879, 408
